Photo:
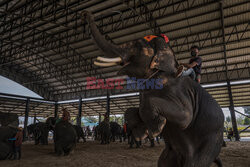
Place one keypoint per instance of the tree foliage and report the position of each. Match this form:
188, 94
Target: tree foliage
91, 119
246, 121
228, 119
247, 110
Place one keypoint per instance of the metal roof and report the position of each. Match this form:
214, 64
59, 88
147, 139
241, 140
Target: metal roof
46, 46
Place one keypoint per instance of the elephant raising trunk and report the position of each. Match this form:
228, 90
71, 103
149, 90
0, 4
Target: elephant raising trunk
190, 120
115, 53
135, 57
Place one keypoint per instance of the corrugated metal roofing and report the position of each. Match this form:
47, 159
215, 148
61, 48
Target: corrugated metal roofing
45, 45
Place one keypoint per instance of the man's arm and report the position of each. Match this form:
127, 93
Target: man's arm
189, 65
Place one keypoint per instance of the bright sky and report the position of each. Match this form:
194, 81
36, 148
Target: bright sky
11, 87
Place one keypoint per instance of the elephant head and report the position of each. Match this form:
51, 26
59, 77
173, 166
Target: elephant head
139, 58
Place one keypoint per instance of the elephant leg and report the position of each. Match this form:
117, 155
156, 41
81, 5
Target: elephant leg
209, 152
218, 162
59, 149
107, 139
157, 140
152, 143
37, 141
168, 158
120, 136
129, 139
69, 149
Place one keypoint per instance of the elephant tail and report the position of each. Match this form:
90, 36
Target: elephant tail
218, 162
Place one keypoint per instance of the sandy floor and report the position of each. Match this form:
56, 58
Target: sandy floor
92, 154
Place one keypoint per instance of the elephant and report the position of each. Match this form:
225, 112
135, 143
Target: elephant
96, 133
51, 121
190, 120
80, 133
65, 138
131, 139
104, 132
116, 131
65, 135
9, 119
40, 132
133, 127
6, 146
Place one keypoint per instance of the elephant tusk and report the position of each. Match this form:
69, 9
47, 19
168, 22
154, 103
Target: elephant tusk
109, 60
104, 64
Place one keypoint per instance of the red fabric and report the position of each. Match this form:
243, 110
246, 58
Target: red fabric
19, 138
165, 37
125, 128
149, 37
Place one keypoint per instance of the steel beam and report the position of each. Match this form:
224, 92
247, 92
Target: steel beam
26, 119
34, 118
231, 107
100, 118
108, 106
56, 110
79, 116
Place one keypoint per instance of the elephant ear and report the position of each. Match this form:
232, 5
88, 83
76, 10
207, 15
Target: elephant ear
135, 123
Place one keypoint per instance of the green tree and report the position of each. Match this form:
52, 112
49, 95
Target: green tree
91, 119
228, 119
246, 121
247, 110
240, 120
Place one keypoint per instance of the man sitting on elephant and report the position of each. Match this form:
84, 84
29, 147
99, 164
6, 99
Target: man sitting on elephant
66, 115
194, 65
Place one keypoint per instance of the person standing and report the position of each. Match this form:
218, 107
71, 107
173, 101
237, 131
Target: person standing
18, 143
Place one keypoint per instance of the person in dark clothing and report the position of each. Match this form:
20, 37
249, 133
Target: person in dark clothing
18, 143
194, 65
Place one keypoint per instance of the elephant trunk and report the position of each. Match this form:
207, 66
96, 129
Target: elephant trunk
113, 52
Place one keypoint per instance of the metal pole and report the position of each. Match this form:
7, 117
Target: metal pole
100, 118
56, 110
79, 117
108, 106
34, 121
231, 107
26, 119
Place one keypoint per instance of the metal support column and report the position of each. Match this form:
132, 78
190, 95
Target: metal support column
26, 118
232, 112
108, 106
79, 117
231, 108
100, 118
34, 121
56, 110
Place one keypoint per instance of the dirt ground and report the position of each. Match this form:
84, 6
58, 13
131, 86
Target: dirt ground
92, 154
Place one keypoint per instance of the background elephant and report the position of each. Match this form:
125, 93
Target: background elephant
40, 132
192, 119
104, 132
6, 146
9, 119
116, 131
80, 133
65, 138
51, 121
135, 127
